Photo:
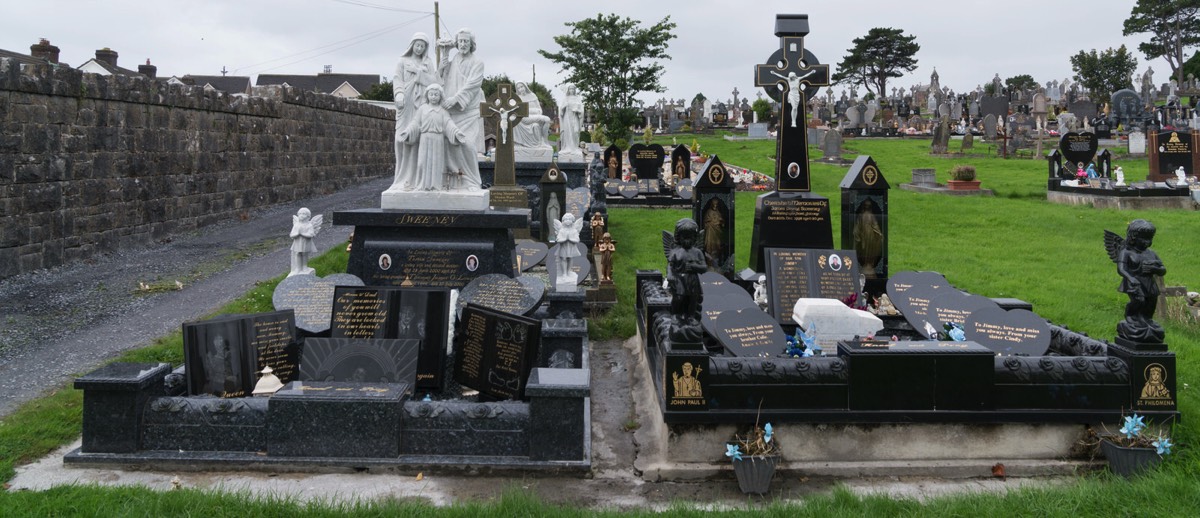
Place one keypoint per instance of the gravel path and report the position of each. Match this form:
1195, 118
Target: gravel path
58, 323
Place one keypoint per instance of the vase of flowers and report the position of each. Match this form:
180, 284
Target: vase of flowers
754, 458
1132, 450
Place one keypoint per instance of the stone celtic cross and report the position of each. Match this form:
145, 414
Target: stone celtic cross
508, 110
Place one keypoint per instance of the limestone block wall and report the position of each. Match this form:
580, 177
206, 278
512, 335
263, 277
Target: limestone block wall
91, 164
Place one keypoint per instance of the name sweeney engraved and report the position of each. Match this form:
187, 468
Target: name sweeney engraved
426, 220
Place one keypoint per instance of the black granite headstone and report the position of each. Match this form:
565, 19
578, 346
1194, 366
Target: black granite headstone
502, 293
713, 209
1175, 151
685, 190
924, 375
336, 419
1078, 148
224, 355
912, 293
953, 306
530, 254
398, 313
647, 160
1016, 332
311, 297
747, 332
793, 274
360, 360
495, 351
789, 220
628, 190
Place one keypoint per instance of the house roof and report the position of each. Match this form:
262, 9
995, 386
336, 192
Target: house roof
227, 84
115, 70
324, 83
26, 59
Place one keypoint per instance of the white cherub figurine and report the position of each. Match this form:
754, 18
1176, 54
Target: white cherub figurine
760, 291
305, 227
566, 234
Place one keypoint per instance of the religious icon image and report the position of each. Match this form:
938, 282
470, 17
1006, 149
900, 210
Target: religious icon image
868, 237
714, 234
687, 386
1154, 387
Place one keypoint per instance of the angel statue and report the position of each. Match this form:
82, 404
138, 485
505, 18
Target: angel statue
566, 234
305, 227
685, 263
1138, 266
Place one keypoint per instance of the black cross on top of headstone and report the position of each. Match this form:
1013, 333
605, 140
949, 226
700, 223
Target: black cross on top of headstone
508, 110
790, 76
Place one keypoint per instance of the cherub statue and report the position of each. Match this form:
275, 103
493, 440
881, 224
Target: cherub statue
305, 227
566, 234
685, 262
760, 292
1138, 266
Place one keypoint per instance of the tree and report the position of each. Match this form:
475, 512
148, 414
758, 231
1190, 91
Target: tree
1192, 65
549, 105
699, 99
1105, 72
762, 107
379, 92
1023, 82
611, 60
883, 53
1174, 25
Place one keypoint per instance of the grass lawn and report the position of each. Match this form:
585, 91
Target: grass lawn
1014, 244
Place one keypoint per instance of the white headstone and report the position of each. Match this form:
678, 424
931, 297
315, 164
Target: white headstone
834, 321
1137, 143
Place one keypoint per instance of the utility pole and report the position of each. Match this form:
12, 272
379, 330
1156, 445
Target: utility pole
534, 67
437, 31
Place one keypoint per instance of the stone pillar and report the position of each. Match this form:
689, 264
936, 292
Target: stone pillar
114, 399
558, 414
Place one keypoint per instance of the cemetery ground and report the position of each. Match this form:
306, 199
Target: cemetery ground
1012, 245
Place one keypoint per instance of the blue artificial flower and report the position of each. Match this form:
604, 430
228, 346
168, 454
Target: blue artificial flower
770, 432
428, 398
1163, 444
1133, 426
733, 451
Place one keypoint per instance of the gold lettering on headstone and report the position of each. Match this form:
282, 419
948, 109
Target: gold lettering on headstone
1006, 333
685, 383
472, 346
271, 339
796, 210
789, 280
761, 335
1154, 391
362, 314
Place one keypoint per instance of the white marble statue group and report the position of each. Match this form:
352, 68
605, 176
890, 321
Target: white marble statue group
439, 129
438, 125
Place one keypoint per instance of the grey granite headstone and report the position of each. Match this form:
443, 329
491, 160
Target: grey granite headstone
498, 292
360, 360
1016, 332
311, 297
530, 254
757, 130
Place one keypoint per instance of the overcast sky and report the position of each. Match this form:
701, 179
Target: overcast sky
717, 44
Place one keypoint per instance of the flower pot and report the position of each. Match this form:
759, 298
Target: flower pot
963, 185
754, 473
1128, 462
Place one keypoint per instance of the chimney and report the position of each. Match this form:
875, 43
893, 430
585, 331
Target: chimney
107, 55
44, 50
148, 70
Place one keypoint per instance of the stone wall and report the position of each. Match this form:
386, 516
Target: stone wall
91, 164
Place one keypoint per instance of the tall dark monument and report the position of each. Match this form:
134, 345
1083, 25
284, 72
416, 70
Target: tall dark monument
865, 221
791, 216
713, 209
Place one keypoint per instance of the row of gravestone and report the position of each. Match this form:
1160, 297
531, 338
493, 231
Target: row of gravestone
374, 334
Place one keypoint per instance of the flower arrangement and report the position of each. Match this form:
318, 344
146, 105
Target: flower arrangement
963, 173
755, 444
1133, 435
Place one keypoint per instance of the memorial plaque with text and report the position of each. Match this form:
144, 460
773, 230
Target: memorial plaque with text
747, 332
1015, 332
956, 306
1078, 148
628, 190
223, 355
449, 264
793, 274
530, 254
789, 221
913, 292
311, 297
501, 293
1175, 151
398, 313
495, 351
647, 160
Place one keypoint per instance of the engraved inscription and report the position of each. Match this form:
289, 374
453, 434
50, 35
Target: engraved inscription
271, 338
361, 314
796, 210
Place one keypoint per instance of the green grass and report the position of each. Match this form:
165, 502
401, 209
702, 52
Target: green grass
1014, 244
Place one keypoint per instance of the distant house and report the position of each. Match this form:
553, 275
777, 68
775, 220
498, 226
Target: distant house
350, 86
40, 53
227, 84
105, 64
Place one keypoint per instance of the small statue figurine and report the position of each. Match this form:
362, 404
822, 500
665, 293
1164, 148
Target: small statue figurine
886, 307
566, 234
606, 247
1138, 266
1091, 171
686, 262
1180, 177
268, 384
1120, 177
305, 227
597, 226
760, 292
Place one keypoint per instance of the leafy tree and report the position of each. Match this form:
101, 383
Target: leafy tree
883, 53
1174, 25
1023, 82
1105, 72
549, 105
1192, 65
379, 92
762, 107
698, 99
611, 60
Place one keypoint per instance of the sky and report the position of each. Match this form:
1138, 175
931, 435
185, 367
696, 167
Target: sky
716, 47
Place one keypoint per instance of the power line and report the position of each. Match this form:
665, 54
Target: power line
352, 41
381, 7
